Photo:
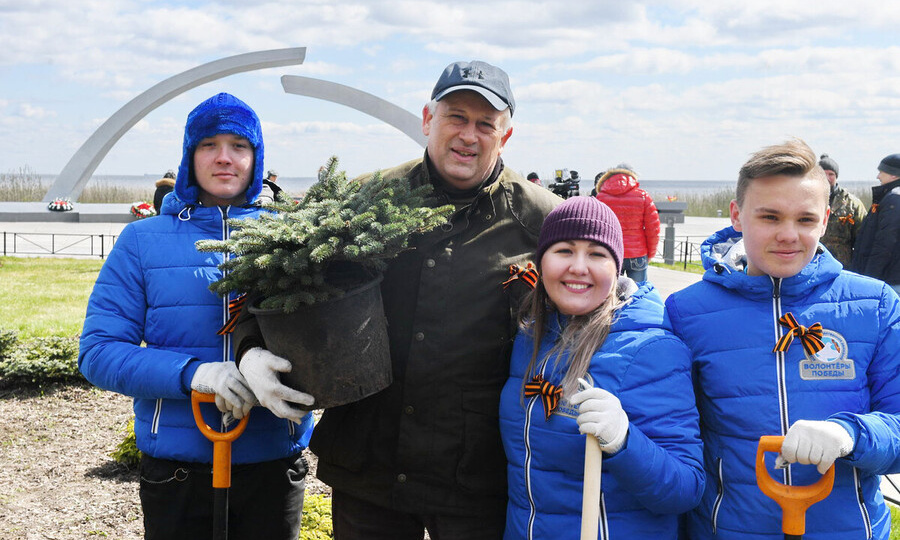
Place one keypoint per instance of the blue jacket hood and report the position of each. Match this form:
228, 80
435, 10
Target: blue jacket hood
725, 260
222, 113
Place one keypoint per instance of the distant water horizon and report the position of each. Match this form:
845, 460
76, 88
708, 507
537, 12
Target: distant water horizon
299, 184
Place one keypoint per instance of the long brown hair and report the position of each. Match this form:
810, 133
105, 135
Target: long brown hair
583, 335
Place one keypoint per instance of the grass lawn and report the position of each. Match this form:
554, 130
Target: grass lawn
895, 523
694, 268
42, 297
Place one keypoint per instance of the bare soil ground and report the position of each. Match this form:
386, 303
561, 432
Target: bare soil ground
57, 480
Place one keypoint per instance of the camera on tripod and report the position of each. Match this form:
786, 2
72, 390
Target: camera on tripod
566, 184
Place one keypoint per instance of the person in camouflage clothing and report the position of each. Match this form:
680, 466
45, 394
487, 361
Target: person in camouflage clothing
847, 213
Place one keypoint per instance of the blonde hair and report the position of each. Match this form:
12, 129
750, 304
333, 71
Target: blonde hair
582, 337
790, 158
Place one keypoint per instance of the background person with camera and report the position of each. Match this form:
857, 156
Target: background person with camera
566, 187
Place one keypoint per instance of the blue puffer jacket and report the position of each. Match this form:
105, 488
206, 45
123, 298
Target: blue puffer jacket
745, 390
154, 289
654, 477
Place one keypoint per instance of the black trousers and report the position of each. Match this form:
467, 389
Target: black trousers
356, 519
265, 499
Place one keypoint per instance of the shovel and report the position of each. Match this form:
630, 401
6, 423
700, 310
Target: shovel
593, 466
793, 500
221, 479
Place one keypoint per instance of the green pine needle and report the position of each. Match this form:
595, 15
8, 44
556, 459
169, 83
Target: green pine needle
284, 255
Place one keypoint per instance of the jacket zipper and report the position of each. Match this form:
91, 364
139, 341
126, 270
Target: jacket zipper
157, 412
783, 407
719, 495
227, 343
782, 402
604, 525
226, 349
226, 418
780, 369
867, 521
527, 434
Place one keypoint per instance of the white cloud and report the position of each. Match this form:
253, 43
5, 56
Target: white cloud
37, 113
668, 82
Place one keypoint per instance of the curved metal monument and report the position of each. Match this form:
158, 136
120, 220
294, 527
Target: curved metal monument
82, 165
383, 110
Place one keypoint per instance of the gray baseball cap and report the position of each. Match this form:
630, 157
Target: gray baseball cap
489, 81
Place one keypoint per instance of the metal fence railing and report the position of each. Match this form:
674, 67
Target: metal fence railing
684, 250
57, 244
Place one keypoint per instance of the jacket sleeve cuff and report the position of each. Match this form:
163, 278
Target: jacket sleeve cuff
246, 334
849, 427
187, 375
245, 345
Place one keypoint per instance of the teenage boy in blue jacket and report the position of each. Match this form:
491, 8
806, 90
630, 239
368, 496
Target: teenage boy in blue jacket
785, 342
154, 288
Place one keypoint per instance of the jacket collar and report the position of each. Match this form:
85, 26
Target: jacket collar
725, 261
456, 195
172, 205
878, 192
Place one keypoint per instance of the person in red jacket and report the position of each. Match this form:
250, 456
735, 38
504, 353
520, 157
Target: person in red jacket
619, 189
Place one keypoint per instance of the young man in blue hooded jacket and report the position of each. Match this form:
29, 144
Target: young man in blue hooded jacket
785, 342
154, 289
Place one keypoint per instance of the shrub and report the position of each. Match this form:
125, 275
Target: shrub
316, 522
22, 185
9, 339
41, 360
106, 192
702, 204
127, 453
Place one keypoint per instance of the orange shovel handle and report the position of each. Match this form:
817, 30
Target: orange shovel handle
221, 440
793, 500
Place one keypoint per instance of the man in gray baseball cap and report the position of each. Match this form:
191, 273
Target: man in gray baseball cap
425, 453
489, 81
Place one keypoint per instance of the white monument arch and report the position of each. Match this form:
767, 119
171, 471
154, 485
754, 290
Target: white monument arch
84, 162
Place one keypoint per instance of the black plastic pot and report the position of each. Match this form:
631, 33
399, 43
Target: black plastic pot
339, 348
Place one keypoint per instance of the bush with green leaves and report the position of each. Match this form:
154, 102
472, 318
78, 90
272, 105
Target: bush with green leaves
46, 359
285, 257
126, 452
316, 521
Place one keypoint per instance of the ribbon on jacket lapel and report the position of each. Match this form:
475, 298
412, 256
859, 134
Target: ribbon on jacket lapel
550, 393
234, 309
810, 337
528, 274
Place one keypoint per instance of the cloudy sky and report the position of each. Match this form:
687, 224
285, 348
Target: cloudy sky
681, 89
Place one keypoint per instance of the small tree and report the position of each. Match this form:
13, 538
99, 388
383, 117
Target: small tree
289, 257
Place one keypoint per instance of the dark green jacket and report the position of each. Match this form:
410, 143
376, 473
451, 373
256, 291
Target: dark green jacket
847, 214
431, 442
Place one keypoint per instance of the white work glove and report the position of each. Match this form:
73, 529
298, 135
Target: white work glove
601, 415
233, 394
814, 443
261, 368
